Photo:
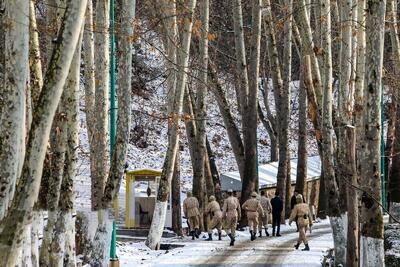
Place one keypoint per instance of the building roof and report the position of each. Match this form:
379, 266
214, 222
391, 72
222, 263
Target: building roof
268, 172
145, 172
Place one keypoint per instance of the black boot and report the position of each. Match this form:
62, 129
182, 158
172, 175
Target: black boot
254, 235
251, 235
297, 246
219, 236
196, 233
260, 234
266, 232
192, 234
232, 240
307, 248
209, 237
273, 231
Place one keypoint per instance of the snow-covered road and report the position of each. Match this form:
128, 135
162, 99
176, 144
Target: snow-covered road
265, 251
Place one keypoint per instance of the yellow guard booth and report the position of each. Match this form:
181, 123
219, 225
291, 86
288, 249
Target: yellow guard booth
141, 195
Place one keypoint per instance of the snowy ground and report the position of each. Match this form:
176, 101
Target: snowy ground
265, 251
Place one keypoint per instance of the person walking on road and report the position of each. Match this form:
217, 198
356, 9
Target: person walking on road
231, 212
253, 209
214, 211
267, 209
192, 213
293, 203
277, 208
301, 212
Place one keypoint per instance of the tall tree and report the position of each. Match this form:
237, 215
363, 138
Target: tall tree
250, 99
394, 183
200, 107
102, 78
284, 105
371, 243
331, 186
13, 225
302, 153
12, 105
157, 224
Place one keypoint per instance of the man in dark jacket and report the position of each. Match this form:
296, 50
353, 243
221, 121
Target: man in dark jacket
277, 207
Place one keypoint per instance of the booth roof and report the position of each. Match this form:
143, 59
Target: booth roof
145, 172
267, 174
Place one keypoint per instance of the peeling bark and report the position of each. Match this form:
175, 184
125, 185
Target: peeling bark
20, 215
371, 216
101, 106
12, 102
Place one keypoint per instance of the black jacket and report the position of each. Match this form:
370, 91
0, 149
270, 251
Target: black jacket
293, 201
277, 205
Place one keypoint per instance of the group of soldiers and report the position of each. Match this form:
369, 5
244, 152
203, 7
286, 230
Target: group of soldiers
257, 211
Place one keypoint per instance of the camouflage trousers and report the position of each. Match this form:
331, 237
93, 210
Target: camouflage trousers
193, 223
215, 222
302, 235
262, 221
252, 218
230, 225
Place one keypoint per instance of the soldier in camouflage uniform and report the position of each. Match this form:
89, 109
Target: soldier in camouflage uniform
231, 212
267, 208
191, 211
302, 213
253, 209
214, 210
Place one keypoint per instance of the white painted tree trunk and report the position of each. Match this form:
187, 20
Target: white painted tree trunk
12, 103
102, 239
371, 251
371, 217
327, 142
13, 226
157, 224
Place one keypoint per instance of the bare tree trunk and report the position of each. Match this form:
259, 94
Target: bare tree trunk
272, 121
12, 102
13, 225
345, 108
102, 76
233, 131
284, 102
302, 153
250, 115
176, 198
201, 108
36, 84
271, 133
89, 81
240, 52
352, 255
117, 168
157, 224
62, 251
35, 63
327, 143
394, 184
214, 173
191, 134
371, 245
279, 91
